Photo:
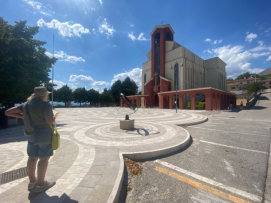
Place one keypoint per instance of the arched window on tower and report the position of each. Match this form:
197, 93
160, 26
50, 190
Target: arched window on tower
176, 76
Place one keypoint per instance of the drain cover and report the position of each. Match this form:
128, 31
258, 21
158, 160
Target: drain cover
13, 175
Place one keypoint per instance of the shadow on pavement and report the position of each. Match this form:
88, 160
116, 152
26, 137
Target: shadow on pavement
235, 110
60, 124
257, 108
12, 134
263, 98
44, 198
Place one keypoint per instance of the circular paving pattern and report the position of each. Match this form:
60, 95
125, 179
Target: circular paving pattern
92, 138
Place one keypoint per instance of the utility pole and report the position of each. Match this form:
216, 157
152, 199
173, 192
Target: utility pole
53, 70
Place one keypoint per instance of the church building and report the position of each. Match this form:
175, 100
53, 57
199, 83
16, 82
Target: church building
174, 77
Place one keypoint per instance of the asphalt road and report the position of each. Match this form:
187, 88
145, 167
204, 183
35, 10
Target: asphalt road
226, 162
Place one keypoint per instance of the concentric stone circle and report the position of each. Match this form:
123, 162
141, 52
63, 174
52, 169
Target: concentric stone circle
89, 136
111, 135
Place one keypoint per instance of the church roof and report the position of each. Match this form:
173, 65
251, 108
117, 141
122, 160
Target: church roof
162, 26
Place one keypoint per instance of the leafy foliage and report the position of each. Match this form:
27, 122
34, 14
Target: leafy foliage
106, 98
229, 79
246, 76
200, 105
116, 89
93, 97
255, 87
64, 94
80, 95
127, 87
23, 62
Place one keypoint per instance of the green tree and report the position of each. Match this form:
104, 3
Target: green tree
247, 75
80, 95
23, 62
106, 98
229, 79
255, 87
64, 94
129, 87
93, 97
116, 89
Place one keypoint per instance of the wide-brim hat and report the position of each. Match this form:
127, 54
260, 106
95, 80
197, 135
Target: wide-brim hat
41, 91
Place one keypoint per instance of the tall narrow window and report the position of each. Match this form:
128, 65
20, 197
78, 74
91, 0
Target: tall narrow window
168, 36
145, 78
176, 76
157, 56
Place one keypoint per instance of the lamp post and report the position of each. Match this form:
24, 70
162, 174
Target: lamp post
53, 70
176, 76
255, 78
176, 96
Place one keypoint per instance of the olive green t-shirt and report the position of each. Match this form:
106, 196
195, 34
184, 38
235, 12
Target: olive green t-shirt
37, 110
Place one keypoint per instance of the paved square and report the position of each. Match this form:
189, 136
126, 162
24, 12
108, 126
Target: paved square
89, 166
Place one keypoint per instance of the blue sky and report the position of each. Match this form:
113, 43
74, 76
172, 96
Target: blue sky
99, 41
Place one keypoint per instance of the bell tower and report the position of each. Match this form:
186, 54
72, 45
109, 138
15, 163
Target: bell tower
159, 36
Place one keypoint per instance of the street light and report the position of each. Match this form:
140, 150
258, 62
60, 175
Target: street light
53, 70
176, 77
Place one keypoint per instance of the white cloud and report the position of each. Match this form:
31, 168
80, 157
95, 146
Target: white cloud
134, 74
65, 29
45, 13
101, 2
261, 47
76, 81
58, 84
250, 37
217, 41
99, 85
65, 57
139, 38
238, 59
80, 79
214, 41
131, 25
36, 6
106, 28
269, 58
132, 36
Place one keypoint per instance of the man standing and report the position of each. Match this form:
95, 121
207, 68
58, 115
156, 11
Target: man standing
38, 117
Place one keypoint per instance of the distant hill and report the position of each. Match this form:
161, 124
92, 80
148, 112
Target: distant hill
265, 72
